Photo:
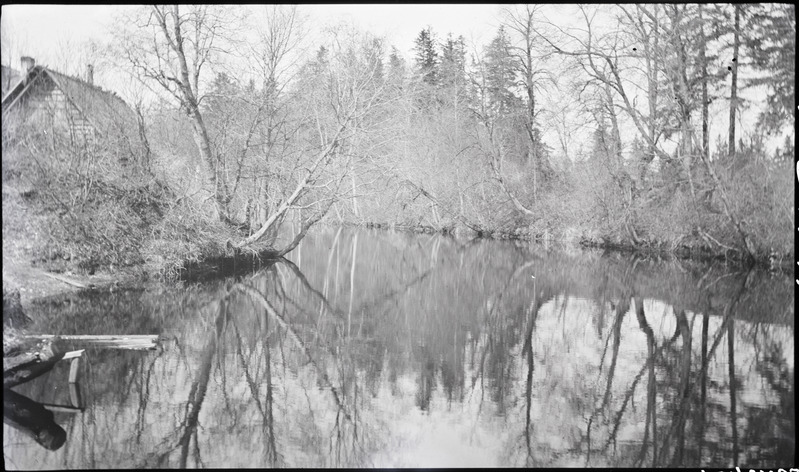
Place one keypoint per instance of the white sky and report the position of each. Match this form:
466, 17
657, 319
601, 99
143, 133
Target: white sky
42, 27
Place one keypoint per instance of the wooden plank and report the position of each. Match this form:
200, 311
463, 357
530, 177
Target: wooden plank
62, 408
133, 342
95, 337
73, 354
74, 396
73, 370
127, 347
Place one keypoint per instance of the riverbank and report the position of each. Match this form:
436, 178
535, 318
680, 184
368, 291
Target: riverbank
690, 247
33, 282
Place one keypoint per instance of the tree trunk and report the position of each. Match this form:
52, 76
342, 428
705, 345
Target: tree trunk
705, 102
734, 86
301, 189
653, 69
204, 146
708, 194
188, 94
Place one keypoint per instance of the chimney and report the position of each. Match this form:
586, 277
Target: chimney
27, 63
90, 74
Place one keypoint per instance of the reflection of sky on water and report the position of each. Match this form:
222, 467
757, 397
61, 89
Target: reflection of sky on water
424, 378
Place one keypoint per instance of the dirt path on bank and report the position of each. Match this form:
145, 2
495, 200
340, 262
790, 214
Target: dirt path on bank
33, 282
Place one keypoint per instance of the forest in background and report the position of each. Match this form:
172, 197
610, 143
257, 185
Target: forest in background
256, 136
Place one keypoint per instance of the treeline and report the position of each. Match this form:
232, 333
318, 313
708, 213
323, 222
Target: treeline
457, 135
256, 136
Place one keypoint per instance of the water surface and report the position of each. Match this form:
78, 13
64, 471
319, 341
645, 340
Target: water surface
383, 349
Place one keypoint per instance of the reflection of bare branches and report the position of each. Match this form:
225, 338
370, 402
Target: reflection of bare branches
703, 386
197, 459
144, 394
196, 394
729, 311
247, 375
733, 413
621, 308
374, 303
261, 299
200, 385
491, 316
651, 413
527, 350
310, 288
650, 362
271, 450
264, 410
678, 423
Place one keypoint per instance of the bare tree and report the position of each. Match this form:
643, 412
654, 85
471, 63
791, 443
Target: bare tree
488, 118
523, 23
172, 46
340, 94
603, 58
252, 124
645, 22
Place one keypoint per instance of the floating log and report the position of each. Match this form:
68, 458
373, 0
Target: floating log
33, 419
35, 354
29, 365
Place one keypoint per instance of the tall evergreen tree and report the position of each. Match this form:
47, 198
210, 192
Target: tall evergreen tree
427, 61
500, 73
770, 43
453, 62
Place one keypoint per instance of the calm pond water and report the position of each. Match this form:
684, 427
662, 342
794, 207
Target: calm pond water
383, 349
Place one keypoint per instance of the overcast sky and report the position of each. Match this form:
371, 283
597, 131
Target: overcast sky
42, 27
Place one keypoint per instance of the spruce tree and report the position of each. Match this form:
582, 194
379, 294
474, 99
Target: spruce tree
426, 57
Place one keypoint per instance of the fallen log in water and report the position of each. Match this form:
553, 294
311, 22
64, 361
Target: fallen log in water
29, 364
33, 419
33, 355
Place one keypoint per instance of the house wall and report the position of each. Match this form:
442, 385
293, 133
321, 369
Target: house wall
46, 106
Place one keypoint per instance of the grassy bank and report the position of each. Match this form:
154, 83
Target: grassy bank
86, 211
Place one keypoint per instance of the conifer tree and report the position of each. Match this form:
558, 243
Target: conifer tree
427, 61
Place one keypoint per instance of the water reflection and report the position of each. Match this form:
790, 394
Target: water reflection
386, 350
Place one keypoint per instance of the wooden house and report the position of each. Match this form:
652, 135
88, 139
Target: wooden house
78, 110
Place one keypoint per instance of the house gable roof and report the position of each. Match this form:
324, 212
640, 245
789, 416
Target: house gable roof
104, 110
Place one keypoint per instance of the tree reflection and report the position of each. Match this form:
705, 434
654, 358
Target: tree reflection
347, 355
